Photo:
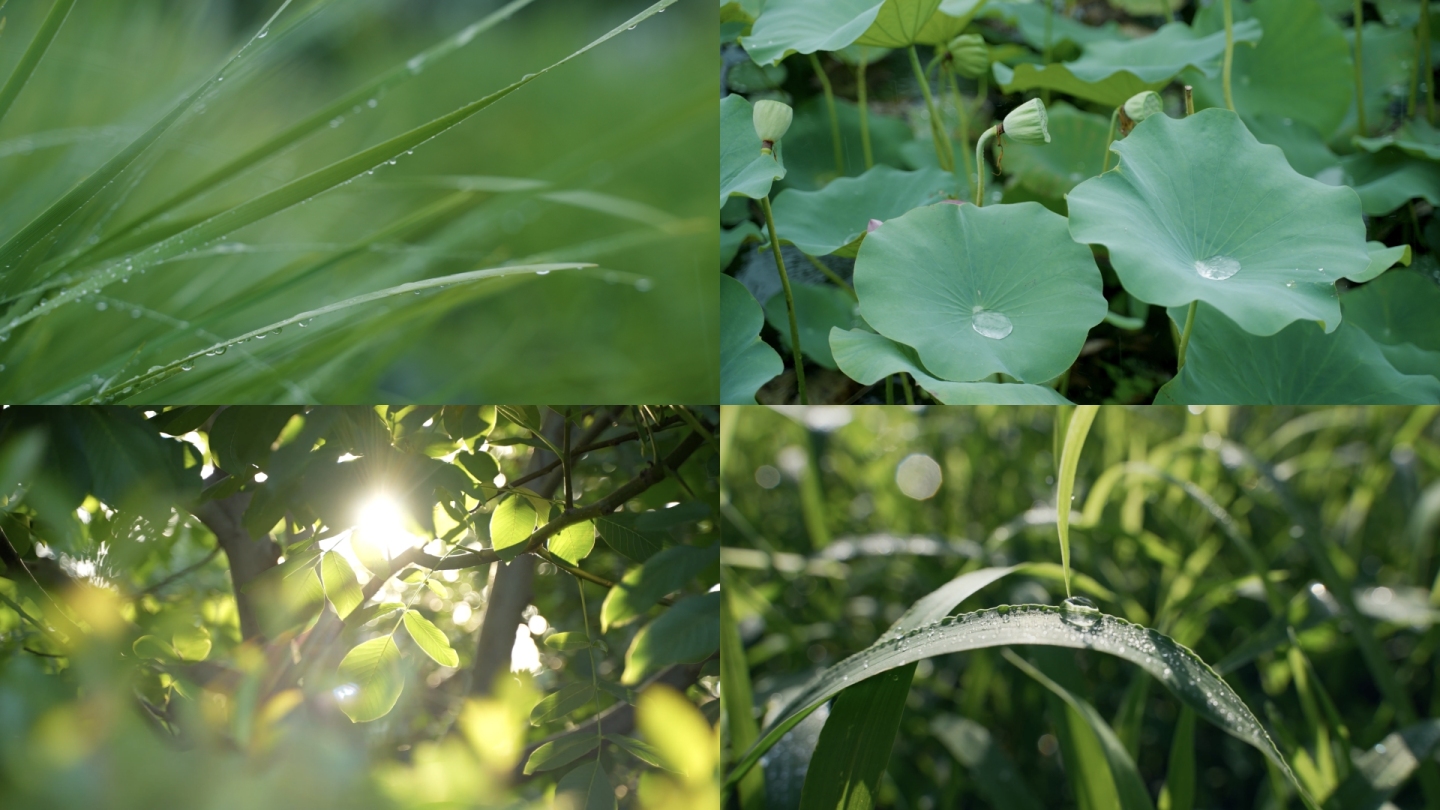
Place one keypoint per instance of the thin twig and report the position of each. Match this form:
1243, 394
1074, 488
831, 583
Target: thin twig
179, 574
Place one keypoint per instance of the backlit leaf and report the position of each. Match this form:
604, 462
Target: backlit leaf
430, 639
370, 680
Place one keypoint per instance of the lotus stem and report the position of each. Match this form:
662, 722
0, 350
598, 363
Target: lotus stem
1049, 22
830, 274
889, 390
864, 110
789, 300
1185, 337
959, 101
1230, 55
1429, 74
1359, 71
909, 392
980, 164
834, 119
1189, 100
1109, 139
937, 129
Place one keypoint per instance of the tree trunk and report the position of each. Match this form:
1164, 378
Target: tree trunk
249, 558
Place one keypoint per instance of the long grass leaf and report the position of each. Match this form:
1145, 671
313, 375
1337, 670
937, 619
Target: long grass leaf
39, 44
1179, 792
361, 96
736, 696
1382, 770
1130, 789
61, 210
854, 746
1188, 677
994, 775
302, 189
159, 374
1084, 762
1065, 484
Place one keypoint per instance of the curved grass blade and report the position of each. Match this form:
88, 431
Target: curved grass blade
39, 44
1179, 790
1128, 785
854, 746
159, 374
317, 122
736, 696
1188, 677
1381, 771
300, 190
64, 208
1069, 458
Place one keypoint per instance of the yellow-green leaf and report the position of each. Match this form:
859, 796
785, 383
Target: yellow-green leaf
557, 705
512, 522
192, 643
370, 680
574, 542
567, 641
152, 647
560, 752
1069, 458
341, 586
430, 639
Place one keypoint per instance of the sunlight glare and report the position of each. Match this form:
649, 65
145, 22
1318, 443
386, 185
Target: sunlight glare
382, 526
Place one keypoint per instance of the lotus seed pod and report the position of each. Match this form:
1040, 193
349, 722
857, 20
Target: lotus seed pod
772, 119
970, 55
1143, 105
1028, 123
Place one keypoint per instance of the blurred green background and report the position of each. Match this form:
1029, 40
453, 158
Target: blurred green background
624, 121
837, 519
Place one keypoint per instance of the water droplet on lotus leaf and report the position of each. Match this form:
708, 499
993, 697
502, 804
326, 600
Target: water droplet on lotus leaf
1217, 268
993, 325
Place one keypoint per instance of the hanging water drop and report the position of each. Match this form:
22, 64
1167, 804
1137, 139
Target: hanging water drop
101, 305
372, 103
187, 366
643, 284
1080, 612
542, 272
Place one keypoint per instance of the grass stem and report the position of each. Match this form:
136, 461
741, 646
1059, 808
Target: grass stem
789, 300
937, 128
834, 119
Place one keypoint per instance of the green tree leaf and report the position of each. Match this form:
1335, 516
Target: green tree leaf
430, 639
558, 704
511, 524
619, 531
192, 643
370, 680
567, 641
574, 542
641, 588
643, 751
586, 788
980, 291
689, 632
153, 647
561, 752
341, 586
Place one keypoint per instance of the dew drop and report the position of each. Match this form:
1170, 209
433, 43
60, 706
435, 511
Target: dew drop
1080, 612
542, 272
335, 122
263, 33
992, 325
643, 284
372, 103
187, 366
134, 313
261, 336
101, 305
1217, 268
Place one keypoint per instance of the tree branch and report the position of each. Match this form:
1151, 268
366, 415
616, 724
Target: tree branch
628, 437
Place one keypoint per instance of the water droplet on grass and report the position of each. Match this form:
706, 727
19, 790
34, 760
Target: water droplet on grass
542, 272
992, 325
335, 122
643, 284
372, 103
101, 305
1080, 612
1217, 268
187, 366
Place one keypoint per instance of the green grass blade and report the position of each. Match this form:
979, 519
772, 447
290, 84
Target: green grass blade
736, 696
1084, 763
854, 746
995, 776
1129, 788
1065, 484
317, 122
300, 190
64, 208
1381, 771
159, 374
33, 54
1188, 677
1179, 792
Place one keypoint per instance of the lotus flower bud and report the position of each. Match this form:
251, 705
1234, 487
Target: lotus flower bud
970, 55
1143, 105
1028, 123
772, 119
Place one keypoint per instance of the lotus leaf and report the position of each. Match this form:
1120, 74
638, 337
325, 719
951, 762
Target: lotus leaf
818, 309
1151, 8
829, 220
732, 238
980, 291
868, 358
746, 363
743, 170
949, 21
1399, 307
1389, 61
1110, 72
1302, 144
807, 26
1382, 258
1200, 210
1416, 137
742, 11
1301, 69
1301, 365
1029, 18
1388, 179
1075, 152
810, 156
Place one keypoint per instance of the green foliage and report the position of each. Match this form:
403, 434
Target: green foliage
430, 639
371, 680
